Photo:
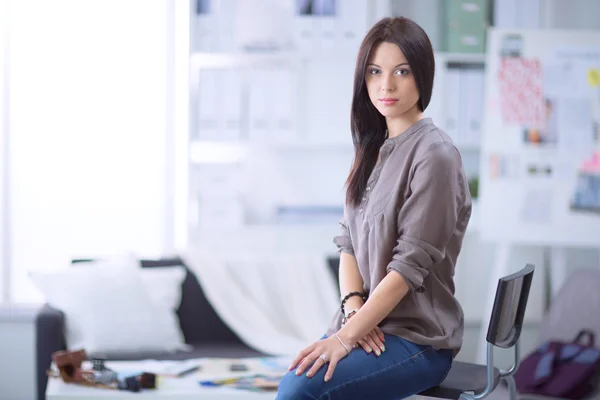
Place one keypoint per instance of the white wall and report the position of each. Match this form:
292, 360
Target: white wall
88, 132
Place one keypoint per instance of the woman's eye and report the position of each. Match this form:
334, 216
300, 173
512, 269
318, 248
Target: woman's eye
373, 71
402, 71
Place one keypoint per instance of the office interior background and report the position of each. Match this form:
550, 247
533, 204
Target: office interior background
158, 128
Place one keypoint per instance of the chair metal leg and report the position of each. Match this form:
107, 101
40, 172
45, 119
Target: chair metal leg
512, 387
511, 371
508, 375
491, 381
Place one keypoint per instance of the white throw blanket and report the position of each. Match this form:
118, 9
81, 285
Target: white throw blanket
276, 302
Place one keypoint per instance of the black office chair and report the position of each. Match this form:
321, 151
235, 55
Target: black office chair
467, 381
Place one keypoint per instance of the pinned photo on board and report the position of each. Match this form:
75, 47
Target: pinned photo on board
504, 166
316, 7
586, 196
539, 171
548, 132
521, 91
587, 193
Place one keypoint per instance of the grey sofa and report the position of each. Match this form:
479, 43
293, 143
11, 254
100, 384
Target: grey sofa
201, 326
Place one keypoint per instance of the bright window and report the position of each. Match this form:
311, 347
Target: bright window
88, 132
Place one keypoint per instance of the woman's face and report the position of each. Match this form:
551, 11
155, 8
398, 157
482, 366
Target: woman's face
390, 81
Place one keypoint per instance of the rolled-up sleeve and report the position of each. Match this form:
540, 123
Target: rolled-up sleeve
343, 241
430, 215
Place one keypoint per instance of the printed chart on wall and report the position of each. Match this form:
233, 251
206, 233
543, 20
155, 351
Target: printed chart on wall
540, 166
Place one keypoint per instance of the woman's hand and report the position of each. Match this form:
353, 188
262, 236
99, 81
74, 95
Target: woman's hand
326, 351
373, 342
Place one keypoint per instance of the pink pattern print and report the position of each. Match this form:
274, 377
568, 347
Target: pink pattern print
521, 91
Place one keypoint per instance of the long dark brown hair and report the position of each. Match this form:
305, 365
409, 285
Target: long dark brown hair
367, 125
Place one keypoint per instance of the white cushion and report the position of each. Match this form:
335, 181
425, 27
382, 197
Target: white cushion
163, 284
114, 308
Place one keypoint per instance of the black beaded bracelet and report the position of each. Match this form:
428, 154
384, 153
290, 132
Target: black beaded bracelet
362, 296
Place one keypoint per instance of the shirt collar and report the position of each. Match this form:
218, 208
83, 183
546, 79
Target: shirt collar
408, 133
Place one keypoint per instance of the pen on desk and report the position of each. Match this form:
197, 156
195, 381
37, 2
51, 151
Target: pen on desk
219, 382
188, 371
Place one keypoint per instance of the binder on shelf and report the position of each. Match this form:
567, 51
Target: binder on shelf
316, 24
271, 104
258, 104
230, 101
283, 99
225, 29
327, 34
261, 25
467, 21
353, 23
205, 37
208, 107
452, 103
304, 33
214, 31
436, 107
462, 108
474, 106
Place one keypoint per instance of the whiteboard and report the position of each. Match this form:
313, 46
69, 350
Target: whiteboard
540, 158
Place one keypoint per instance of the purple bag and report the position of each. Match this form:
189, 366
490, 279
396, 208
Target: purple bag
559, 369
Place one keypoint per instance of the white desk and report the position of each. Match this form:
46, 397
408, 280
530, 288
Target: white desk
186, 388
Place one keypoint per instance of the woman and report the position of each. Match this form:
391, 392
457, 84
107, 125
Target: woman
407, 209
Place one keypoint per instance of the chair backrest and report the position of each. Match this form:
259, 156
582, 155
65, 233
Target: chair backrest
509, 308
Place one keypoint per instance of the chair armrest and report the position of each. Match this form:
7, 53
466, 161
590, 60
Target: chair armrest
49, 337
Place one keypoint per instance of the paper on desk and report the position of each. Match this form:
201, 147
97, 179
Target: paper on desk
219, 369
158, 367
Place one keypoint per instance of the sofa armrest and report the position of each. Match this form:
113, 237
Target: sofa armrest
49, 337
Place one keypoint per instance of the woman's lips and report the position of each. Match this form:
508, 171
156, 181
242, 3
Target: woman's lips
388, 102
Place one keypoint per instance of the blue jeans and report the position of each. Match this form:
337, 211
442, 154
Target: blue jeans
402, 370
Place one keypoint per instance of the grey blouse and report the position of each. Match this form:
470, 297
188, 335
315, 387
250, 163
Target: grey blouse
412, 220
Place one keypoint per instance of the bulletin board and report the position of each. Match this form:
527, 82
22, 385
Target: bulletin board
540, 155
